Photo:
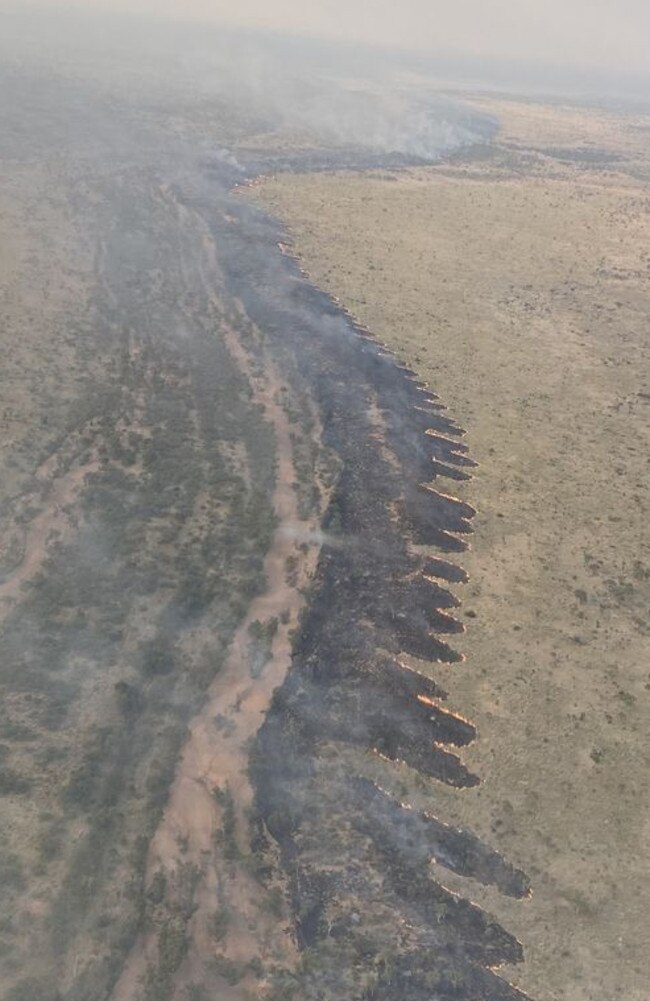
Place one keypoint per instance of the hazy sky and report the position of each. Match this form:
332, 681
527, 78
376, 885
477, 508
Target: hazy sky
609, 34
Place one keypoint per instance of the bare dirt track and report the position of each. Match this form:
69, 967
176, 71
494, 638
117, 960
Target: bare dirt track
127, 462
515, 280
212, 776
53, 522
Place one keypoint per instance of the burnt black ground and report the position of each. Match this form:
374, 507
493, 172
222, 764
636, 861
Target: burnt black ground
374, 921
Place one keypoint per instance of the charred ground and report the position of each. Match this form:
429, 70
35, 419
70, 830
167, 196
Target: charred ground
357, 858
141, 511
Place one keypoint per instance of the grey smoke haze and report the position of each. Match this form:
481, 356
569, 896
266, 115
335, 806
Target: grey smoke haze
329, 94
364, 88
584, 34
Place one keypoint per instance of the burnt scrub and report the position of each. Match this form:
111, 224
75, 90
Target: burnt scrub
221, 618
369, 918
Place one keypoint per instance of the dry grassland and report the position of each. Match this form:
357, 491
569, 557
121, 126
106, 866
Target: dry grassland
517, 284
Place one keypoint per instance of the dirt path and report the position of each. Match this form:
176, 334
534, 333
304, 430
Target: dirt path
206, 821
54, 521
